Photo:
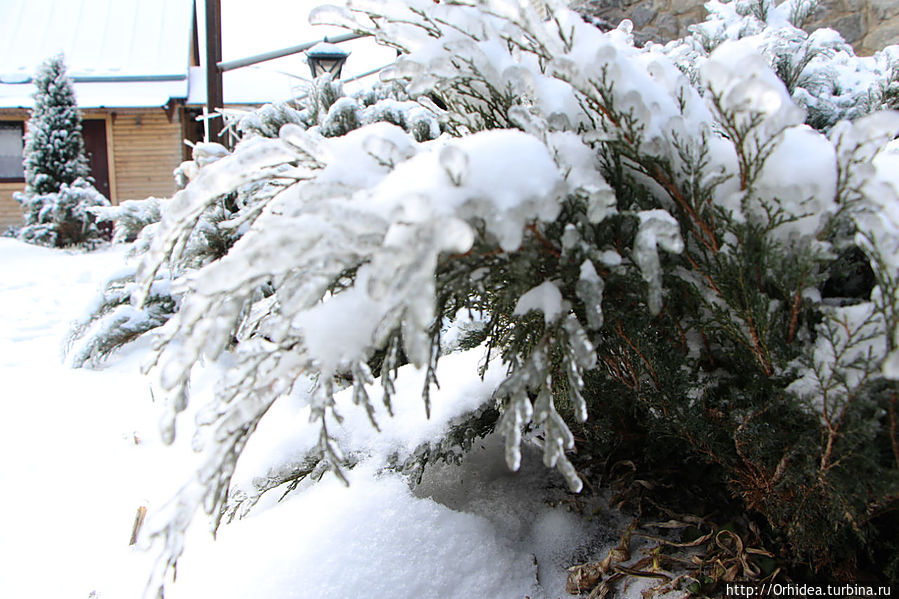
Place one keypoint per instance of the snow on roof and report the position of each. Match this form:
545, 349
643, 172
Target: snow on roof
121, 53
100, 38
104, 94
131, 53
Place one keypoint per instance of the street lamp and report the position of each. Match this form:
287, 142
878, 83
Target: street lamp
326, 58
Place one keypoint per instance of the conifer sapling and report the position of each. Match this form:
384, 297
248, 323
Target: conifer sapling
58, 197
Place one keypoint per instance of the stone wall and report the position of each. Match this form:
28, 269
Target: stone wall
869, 25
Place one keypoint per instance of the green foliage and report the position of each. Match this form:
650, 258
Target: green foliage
887, 94
709, 381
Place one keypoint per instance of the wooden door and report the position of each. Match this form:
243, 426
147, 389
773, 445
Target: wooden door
94, 132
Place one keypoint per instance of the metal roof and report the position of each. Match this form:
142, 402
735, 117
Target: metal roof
98, 37
135, 53
144, 43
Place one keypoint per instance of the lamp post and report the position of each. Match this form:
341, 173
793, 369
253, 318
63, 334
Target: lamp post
326, 58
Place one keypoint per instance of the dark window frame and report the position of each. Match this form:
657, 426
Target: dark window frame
21, 126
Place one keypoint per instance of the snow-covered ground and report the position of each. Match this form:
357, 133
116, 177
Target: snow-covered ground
81, 454
73, 467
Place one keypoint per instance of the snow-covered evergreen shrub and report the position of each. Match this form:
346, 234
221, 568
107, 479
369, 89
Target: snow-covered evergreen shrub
64, 217
269, 119
820, 70
325, 110
116, 319
648, 260
58, 197
131, 217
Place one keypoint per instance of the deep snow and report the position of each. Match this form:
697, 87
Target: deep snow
81, 453
78, 447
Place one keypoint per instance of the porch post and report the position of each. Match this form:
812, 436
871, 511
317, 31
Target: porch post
214, 98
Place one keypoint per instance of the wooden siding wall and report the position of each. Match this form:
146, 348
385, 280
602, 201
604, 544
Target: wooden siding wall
10, 210
144, 148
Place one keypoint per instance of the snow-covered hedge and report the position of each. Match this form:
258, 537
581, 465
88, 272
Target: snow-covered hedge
650, 248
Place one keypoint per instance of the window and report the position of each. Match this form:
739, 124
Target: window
11, 146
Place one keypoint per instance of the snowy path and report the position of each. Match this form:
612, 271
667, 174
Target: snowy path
73, 476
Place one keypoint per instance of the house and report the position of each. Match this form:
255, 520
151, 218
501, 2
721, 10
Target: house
136, 68
129, 60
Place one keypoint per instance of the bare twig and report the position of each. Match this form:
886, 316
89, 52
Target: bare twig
138, 523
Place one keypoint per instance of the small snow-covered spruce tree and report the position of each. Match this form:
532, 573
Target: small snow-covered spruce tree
653, 256
54, 147
58, 198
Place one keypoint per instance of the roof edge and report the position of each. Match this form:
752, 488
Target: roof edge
9, 80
